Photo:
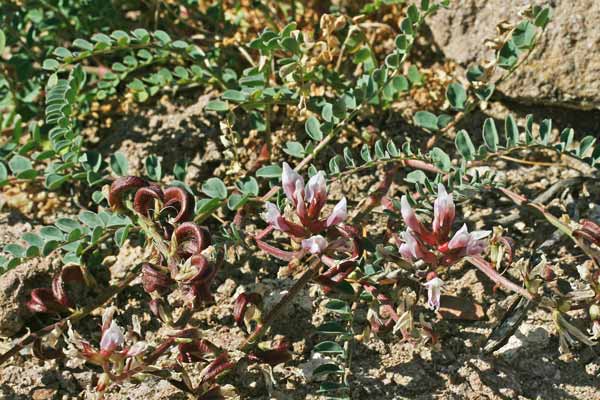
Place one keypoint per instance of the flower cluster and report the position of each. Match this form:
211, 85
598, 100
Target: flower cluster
434, 246
117, 351
307, 202
327, 237
190, 262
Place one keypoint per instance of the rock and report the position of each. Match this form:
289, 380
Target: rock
527, 338
15, 288
561, 71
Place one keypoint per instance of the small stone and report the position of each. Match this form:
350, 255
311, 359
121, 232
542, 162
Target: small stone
527, 337
15, 288
43, 394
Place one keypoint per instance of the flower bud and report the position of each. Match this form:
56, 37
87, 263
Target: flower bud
315, 244
290, 180
339, 213
112, 338
443, 214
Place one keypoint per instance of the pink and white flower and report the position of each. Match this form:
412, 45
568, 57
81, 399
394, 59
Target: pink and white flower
315, 244
434, 290
443, 214
308, 201
471, 243
433, 247
112, 338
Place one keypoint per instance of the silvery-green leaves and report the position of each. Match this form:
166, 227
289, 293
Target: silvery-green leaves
513, 137
70, 238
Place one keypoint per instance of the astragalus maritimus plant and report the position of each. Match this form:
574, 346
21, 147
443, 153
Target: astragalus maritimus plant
328, 87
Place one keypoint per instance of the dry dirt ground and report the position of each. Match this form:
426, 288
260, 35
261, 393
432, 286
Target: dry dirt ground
529, 366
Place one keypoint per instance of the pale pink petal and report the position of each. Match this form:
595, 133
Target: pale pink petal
137, 349
315, 244
443, 212
107, 317
409, 250
273, 217
460, 239
409, 216
299, 198
289, 179
316, 188
339, 213
476, 247
112, 338
434, 287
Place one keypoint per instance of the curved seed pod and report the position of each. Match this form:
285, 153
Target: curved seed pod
278, 354
42, 300
219, 365
68, 274
120, 187
197, 288
193, 352
145, 197
178, 201
155, 280
206, 271
191, 239
241, 305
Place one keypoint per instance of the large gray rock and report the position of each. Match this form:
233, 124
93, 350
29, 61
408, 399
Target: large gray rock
564, 69
15, 290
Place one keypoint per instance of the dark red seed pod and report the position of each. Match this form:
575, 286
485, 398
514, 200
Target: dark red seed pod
189, 333
191, 239
69, 274
279, 354
145, 198
586, 235
120, 187
241, 305
591, 227
206, 271
219, 365
193, 352
153, 279
43, 300
178, 202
